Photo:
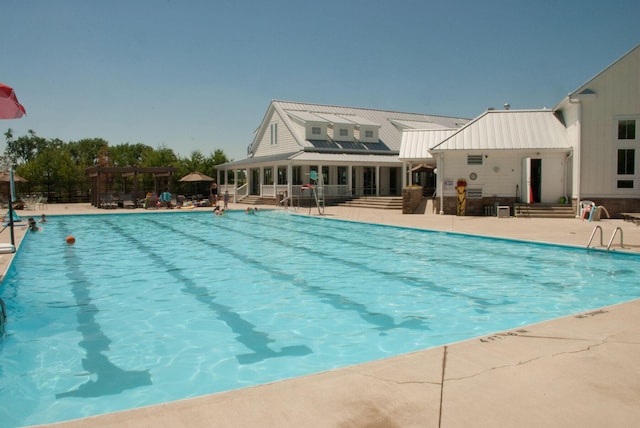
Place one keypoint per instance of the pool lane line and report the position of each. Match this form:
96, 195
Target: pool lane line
481, 302
110, 378
466, 264
478, 264
382, 321
247, 334
437, 256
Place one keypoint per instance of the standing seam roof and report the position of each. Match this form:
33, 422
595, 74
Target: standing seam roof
509, 130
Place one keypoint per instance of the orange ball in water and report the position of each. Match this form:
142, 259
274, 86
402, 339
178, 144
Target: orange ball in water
71, 240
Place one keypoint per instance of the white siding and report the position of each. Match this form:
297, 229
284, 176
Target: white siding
617, 93
286, 140
501, 172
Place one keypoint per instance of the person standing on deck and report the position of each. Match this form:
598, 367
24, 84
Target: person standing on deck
213, 191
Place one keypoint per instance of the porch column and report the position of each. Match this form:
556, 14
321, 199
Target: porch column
350, 178
377, 180
260, 179
235, 185
440, 181
274, 178
289, 178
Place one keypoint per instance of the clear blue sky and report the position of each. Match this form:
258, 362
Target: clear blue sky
199, 74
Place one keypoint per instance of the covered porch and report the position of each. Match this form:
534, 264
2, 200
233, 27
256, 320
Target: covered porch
340, 176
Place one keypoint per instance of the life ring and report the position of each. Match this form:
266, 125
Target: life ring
306, 186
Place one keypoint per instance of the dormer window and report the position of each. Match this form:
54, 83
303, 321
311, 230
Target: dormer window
344, 132
316, 130
368, 134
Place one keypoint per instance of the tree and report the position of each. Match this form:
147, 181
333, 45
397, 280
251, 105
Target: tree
129, 154
85, 152
23, 149
162, 156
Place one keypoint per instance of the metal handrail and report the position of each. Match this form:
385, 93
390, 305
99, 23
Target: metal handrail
614, 235
593, 234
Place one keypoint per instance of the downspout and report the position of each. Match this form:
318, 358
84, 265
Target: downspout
440, 180
578, 155
566, 167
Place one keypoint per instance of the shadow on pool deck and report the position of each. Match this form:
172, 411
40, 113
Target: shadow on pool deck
579, 370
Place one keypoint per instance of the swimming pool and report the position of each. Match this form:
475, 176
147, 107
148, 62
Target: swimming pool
154, 307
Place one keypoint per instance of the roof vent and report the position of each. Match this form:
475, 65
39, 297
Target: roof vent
507, 106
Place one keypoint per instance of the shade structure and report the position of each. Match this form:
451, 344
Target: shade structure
5, 177
10, 107
197, 176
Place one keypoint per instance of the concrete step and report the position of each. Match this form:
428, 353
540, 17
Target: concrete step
544, 210
382, 202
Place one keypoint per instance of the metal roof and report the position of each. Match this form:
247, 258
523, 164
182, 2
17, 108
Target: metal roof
346, 158
261, 159
306, 116
415, 124
334, 119
509, 130
416, 142
388, 133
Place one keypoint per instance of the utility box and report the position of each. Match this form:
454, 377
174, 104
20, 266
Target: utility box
503, 211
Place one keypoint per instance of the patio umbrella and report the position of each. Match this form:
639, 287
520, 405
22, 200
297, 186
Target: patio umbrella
10, 107
5, 177
196, 177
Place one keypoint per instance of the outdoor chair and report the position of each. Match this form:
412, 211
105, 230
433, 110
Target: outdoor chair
165, 199
127, 201
42, 203
107, 202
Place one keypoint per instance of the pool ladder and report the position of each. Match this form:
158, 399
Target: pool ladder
613, 235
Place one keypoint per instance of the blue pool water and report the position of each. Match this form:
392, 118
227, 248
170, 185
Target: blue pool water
154, 307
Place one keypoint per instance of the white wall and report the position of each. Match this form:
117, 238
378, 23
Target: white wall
286, 141
617, 94
501, 172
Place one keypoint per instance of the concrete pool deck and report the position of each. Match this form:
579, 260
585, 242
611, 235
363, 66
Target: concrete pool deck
579, 370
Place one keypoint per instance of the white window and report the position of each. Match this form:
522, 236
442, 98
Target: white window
343, 132
627, 129
274, 134
626, 159
315, 130
368, 133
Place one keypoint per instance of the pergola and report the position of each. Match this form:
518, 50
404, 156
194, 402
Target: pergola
100, 174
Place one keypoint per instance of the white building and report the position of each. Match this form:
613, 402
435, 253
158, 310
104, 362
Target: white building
586, 148
351, 151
